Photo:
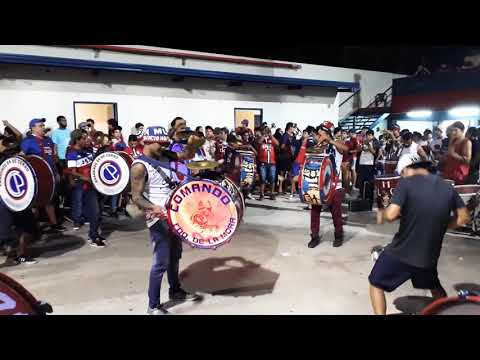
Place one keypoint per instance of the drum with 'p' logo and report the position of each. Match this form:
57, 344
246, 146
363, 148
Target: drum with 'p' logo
26, 182
110, 172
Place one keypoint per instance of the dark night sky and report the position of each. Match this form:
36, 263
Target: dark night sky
396, 58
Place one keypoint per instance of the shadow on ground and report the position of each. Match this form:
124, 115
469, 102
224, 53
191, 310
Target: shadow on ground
412, 304
229, 276
58, 246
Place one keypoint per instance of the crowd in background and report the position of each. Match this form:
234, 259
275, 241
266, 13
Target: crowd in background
277, 153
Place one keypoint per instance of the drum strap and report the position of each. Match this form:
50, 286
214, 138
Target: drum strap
158, 166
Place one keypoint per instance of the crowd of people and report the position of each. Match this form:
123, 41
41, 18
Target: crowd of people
357, 156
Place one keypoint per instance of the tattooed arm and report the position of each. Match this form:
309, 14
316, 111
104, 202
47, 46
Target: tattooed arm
138, 175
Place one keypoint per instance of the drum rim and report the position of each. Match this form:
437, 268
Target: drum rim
19, 288
449, 300
169, 219
333, 182
52, 193
35, 179
121, 157
239, 191
385, 177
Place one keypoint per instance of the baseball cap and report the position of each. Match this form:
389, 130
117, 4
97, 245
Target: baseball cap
409, 160
83, 125
328, 127
156, 134
245, 121
34, 122
395, 127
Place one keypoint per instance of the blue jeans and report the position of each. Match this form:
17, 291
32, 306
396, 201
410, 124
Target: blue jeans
267, 173
167, 251
86, 202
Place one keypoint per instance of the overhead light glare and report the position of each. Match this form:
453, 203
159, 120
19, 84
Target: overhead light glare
419, 114
464, 111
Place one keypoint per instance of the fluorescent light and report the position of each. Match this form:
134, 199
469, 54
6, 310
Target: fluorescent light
464, 111
419, 114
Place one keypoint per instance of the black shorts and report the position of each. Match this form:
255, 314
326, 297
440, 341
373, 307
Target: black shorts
24, 221
389, 273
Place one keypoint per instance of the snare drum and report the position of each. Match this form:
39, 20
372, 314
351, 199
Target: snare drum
317, 180
243, 168
203, 213
388, 166
26, 182
457, 305
384, 186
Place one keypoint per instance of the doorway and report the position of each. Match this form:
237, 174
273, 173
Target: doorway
98, 111
254, 117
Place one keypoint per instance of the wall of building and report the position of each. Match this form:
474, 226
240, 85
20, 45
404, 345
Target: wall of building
32, 91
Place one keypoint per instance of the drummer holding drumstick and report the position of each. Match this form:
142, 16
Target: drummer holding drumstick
336, 149
153, 181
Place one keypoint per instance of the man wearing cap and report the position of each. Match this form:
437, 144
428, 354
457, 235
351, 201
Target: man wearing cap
436, 144
335, 149
153, 181
457, 162
38, 144
423, 202
84, 195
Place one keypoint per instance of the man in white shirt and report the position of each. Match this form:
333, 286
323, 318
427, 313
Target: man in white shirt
436, 143
209, 146
366, 167
410, 147
151, 189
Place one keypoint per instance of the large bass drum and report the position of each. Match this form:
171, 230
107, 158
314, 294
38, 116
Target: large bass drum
110, 172
26, 182
205, 214
384, 186
317, 180
16, 300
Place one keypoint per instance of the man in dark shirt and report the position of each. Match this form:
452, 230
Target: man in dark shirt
424, 203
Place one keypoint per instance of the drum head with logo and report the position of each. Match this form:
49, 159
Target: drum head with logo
110, 173
317, 180
203, 214
46, 180
18, 183
15, 299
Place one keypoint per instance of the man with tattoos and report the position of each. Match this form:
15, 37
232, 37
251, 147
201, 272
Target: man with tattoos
153, 181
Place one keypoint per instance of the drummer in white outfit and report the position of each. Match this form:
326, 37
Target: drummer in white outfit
410, 147
152, 184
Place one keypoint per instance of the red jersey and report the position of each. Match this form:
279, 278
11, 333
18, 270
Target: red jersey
266, 152
220, 148
454, 169
352, 153
134, 152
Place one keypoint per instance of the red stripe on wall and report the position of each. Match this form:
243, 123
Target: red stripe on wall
435, 101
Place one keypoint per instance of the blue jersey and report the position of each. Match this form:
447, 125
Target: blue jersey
43, 147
